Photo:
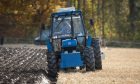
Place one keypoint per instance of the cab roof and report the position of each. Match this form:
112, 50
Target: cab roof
66, 13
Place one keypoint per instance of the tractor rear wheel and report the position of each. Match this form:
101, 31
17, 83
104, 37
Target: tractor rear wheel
97, 53
89, 59
52, 67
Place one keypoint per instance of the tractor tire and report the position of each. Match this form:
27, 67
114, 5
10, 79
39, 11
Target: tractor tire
52, 67
97, 53
89, 59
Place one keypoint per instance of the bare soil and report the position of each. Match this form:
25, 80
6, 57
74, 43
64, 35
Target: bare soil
23, 65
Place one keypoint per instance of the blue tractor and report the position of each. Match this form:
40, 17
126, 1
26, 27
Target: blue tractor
70, 46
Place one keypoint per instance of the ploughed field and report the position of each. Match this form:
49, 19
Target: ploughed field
22, 65
28, 65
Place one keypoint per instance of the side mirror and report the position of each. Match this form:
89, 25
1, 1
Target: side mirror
91, 22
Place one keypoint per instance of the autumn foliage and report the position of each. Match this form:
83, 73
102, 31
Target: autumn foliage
19, 18
113, 19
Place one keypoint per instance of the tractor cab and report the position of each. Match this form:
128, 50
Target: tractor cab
67, 25
67, 30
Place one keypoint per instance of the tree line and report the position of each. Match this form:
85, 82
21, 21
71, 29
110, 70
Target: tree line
113, 19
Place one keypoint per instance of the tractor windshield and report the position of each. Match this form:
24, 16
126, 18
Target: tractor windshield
62, 26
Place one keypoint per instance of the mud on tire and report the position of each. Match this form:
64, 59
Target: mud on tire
89, 59
52, 67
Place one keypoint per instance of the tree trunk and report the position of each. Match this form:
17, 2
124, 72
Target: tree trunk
74, 3
84, 8
68, 3
132, 9
132, 14
103, 14
79, 4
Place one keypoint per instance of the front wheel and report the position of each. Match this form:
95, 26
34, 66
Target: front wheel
52, 67
89, 59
